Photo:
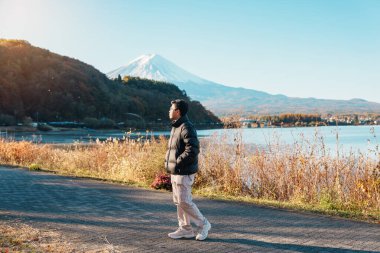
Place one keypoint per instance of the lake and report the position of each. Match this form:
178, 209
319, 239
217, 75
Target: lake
355, 138
350, 138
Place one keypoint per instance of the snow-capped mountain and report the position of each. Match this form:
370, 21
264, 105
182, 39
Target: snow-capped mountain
223, 99
155, 67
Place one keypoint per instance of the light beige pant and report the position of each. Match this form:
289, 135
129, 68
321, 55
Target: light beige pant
187, 211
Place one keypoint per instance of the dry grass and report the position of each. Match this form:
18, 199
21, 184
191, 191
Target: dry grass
131, 161
304, 174
18, 237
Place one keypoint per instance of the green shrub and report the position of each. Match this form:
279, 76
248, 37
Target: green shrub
35, 167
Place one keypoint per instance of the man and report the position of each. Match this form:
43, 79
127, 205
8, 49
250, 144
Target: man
182, 163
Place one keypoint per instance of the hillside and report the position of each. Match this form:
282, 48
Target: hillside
45, 86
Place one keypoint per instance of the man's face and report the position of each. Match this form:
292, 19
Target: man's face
174, 113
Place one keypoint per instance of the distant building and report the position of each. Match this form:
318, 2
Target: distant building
247, 122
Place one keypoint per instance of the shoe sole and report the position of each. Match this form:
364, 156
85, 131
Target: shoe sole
180, 237
200, 239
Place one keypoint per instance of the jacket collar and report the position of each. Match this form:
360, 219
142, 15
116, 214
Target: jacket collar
178, 122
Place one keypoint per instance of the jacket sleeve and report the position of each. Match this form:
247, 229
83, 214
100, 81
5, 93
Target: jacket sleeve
190, 139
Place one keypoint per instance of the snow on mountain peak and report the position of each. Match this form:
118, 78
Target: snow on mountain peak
155, 67
145, 58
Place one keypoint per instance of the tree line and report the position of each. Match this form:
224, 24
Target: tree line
38, 85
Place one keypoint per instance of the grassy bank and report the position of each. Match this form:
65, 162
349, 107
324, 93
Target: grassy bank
303, 176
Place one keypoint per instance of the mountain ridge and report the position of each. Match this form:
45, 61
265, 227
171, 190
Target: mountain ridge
223, 99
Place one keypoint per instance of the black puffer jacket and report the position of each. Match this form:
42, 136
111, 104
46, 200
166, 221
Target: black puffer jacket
183, 149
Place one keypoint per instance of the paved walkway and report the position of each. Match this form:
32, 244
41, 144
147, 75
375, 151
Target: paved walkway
94, 213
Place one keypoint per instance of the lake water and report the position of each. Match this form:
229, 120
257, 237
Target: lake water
345, 138
355, 138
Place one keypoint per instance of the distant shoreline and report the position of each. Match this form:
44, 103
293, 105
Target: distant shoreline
15, 129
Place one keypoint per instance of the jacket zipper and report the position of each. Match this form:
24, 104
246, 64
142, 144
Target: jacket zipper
170, 146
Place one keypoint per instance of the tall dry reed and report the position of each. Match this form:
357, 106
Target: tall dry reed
124, 160
303, 172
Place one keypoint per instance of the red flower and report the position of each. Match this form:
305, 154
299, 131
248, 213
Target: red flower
162, 181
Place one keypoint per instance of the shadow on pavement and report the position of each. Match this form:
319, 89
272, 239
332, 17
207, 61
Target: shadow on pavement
280, 246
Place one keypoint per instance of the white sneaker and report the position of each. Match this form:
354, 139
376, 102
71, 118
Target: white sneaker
202, 235
181, 233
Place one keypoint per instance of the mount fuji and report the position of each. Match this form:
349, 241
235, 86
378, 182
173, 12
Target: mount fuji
222, 99
155, 67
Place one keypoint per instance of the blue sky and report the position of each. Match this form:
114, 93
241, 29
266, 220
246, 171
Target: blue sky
299, 48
